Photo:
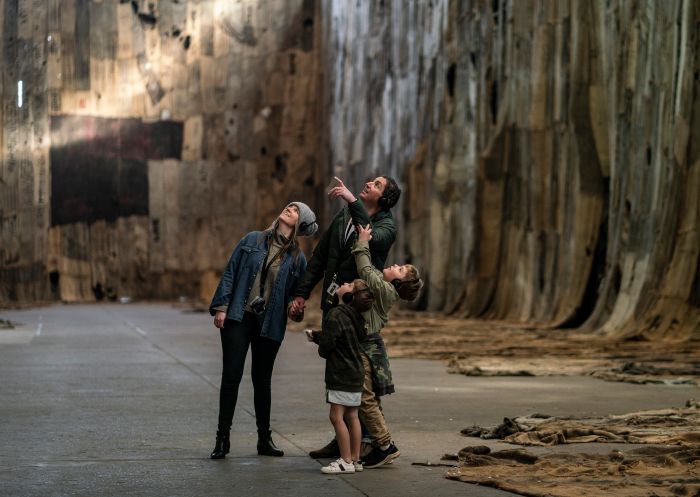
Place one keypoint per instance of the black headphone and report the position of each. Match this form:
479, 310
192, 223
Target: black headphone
390, 195
348, 297
397, 283
311, 227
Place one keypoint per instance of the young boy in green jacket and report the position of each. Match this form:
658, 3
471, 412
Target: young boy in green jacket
388, 286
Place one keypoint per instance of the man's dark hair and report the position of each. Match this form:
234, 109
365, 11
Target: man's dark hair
391, 194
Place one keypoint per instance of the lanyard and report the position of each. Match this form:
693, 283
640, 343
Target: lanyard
266, 268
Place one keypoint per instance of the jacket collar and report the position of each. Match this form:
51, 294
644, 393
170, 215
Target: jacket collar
378, 216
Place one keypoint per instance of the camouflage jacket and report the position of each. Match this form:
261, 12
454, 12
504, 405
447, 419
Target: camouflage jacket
382, 383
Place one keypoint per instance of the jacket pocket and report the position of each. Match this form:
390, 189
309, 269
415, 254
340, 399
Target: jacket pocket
247, 254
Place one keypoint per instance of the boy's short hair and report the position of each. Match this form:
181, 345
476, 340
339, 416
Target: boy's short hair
362, 297
410, 285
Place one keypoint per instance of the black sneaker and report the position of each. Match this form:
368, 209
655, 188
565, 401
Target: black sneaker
378, 456
329, 451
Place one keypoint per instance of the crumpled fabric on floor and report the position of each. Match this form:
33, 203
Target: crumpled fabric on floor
675, 426
650, 471
494, 348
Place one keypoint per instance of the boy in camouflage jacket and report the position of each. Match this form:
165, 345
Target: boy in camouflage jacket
388, 286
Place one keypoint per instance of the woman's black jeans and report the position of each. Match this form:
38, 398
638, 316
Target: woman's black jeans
235, 339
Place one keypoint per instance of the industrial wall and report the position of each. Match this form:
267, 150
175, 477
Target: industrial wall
548, 150
142, 139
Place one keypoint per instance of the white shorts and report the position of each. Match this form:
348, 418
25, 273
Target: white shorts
347, 399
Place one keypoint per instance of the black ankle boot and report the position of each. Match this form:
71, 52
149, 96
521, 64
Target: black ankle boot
223, 445
266, 447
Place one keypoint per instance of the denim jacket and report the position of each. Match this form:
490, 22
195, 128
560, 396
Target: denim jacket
237, 281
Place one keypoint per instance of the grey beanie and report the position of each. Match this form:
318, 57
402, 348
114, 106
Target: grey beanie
307, 219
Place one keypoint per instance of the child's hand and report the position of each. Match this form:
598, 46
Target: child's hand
364, 234
312, 335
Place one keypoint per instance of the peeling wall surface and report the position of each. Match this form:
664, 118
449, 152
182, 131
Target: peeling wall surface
142, 139
548, 150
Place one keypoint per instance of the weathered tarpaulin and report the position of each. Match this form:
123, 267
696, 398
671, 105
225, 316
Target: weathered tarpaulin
549, 151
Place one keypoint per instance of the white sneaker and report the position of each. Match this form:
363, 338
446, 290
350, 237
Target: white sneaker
338, 466
358, 466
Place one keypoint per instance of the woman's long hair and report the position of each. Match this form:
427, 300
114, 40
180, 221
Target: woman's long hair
291, 245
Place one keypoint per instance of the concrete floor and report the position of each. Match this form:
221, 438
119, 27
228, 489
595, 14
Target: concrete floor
121, 400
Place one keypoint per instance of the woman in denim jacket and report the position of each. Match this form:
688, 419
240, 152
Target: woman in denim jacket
250, 308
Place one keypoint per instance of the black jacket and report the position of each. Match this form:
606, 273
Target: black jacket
339, 344
333, 256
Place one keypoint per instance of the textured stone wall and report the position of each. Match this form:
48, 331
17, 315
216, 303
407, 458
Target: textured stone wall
384, 82
151, 135
548, 150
